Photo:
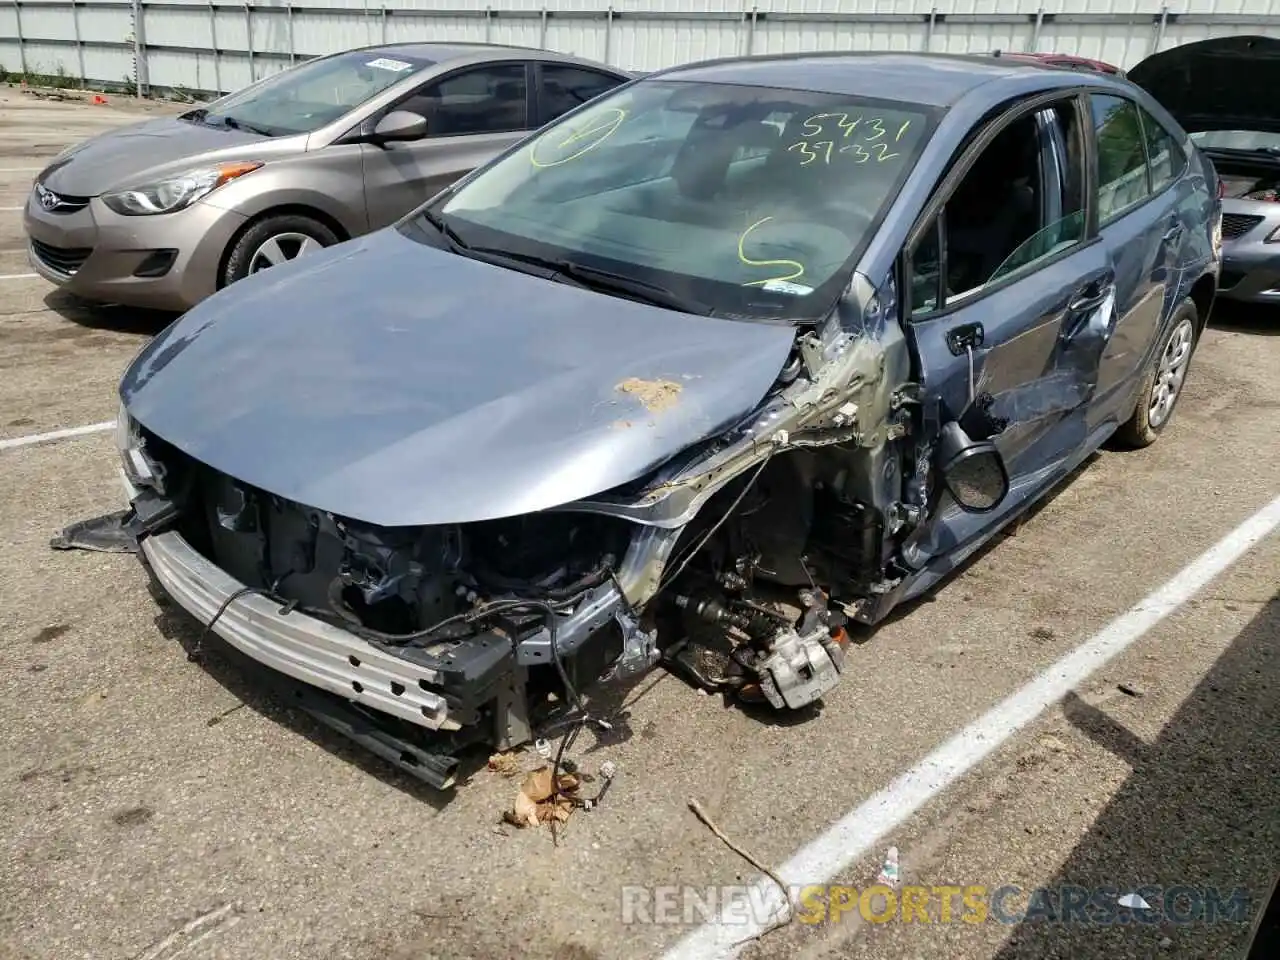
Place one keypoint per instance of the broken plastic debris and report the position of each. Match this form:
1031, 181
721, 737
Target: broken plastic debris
536, 803
888, 874
608, 769
1134, 902
543, 746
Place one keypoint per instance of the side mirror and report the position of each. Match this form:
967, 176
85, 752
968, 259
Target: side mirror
400, 125
973, 470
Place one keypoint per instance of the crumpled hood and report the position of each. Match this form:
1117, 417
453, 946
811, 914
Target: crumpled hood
387, 381
125, 155
1217, 84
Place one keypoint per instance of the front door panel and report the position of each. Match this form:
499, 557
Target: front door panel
1036, 364
400, 176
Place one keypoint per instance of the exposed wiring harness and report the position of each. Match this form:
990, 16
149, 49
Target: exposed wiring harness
702, 542
271, 593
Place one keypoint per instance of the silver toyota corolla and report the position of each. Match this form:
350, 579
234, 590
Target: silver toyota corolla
164, 212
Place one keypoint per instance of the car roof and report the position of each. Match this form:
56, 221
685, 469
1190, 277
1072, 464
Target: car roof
443, 52
932, 79
1052, 59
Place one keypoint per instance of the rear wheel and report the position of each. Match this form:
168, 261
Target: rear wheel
1162, 384
272, 241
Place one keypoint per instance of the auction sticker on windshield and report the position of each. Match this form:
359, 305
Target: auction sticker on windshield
385, 63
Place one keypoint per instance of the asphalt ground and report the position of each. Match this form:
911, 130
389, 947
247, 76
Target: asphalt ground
152, 808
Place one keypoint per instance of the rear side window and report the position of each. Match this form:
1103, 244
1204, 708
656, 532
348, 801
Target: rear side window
564, 88
489, 99
1122, 156
1164, 153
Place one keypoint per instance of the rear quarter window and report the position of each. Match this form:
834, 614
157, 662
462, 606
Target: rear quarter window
1164, 152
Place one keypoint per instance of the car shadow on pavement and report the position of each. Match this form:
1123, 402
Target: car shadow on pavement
1257, 319
101, 316
1200, 810
863, 634
245, 680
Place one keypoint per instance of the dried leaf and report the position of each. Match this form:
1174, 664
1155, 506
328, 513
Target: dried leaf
526, 811
506, 764
537, 785
569, 783
534, 803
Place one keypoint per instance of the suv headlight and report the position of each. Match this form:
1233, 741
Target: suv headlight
176, 193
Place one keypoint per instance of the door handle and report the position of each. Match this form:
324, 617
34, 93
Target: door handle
1091, 296
1174, 233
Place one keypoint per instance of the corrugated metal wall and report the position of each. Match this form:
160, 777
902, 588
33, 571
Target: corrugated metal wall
210, 45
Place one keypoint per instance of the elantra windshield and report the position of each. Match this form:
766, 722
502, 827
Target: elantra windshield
750, 201
307, 97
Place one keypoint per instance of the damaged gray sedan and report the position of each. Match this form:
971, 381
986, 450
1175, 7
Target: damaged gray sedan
717, 369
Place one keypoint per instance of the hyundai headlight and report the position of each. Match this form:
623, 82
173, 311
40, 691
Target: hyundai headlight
176, 193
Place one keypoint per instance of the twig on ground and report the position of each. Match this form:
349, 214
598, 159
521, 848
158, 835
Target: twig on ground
705, 817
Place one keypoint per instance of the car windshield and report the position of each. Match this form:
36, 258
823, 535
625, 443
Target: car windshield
306, 97
1236, 140
749, 201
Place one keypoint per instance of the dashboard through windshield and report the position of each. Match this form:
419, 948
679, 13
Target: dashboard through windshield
753, 201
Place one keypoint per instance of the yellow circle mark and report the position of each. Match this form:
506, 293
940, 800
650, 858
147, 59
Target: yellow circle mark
742, 255
604, 128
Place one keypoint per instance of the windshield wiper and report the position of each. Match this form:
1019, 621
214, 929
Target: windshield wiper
652, 293
235, 124
589, 277
604, 281
447, 231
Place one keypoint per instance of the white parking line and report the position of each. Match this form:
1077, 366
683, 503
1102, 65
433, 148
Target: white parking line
18, 276
11, 209
13, 442
863, 827
20, 169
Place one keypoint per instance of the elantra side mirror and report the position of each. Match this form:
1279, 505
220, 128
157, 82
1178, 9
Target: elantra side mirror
400, 125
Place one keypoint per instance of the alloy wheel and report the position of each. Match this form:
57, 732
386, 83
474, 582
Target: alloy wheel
1171, 372
283, 246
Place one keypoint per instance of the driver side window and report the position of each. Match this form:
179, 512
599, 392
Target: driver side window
488, 99
1021, 202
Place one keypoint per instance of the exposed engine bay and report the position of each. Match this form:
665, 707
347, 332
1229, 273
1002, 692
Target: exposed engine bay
739, 563
751, 601
1248, 180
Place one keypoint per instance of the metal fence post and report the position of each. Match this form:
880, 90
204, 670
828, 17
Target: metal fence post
928, 30
608, 31
750, 21
248, 38
384, 24
488, 24
293, 50
22, 50
542, 36
141, 83
1160, 28
1035, 30
213, 46
75, 23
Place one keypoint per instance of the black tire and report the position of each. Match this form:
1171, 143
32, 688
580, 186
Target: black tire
240, 259
1138, 431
